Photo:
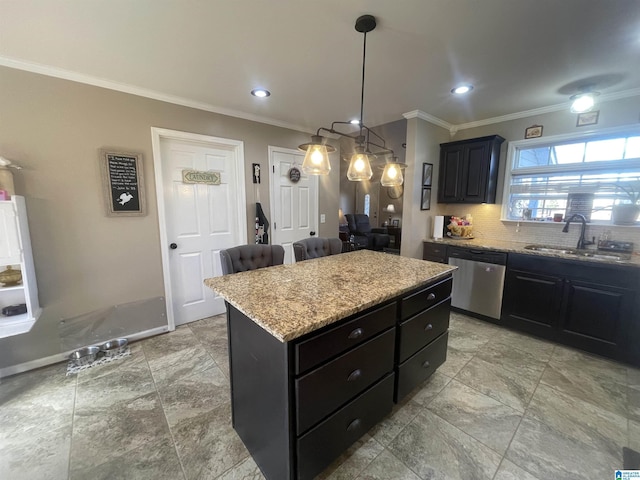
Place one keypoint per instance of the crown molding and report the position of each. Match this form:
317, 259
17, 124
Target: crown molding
428, 118
550, 109
142, 92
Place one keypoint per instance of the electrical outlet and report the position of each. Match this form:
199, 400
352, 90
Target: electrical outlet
322, 218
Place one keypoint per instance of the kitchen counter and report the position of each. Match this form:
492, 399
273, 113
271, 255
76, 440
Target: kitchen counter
289, 301
518, 247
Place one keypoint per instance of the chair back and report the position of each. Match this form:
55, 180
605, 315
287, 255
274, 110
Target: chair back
358, 223
250, 257
315, 247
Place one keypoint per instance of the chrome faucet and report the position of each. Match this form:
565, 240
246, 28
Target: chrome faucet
583, 220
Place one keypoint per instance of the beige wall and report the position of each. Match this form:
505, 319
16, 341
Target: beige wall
85, 260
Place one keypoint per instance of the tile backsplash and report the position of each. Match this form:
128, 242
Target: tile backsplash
487, 224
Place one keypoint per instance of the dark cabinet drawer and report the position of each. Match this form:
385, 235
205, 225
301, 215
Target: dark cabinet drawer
323, 390
324, 443
418, 331
425, 298
319, 348
434, 252
419, 367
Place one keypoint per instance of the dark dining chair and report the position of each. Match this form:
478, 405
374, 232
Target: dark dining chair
315, 247
250, 257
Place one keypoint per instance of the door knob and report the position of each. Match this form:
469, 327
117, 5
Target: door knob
173, 246
312, 233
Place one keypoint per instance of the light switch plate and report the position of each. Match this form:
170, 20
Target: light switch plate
322, 218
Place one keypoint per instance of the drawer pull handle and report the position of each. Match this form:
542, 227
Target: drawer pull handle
428, 327
426, 364
357, 333
355, 375
431, 296
355, 425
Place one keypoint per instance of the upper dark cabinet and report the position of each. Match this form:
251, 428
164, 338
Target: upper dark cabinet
469, 170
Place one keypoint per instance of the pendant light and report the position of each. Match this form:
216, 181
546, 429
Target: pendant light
316, 160
392, 174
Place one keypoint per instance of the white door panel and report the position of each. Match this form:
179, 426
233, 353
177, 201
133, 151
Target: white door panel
294, 206
200, 220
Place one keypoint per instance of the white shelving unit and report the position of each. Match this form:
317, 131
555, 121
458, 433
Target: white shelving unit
15, 250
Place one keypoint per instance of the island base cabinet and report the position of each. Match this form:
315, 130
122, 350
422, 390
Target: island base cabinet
325, 442
421, 366
260, 393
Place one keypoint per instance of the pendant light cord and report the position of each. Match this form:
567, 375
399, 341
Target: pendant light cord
364, 57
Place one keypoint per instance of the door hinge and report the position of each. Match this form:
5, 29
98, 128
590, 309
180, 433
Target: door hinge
273, 168
274, 225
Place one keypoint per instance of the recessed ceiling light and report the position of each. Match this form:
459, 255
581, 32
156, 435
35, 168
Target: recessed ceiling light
260, 92
462, 89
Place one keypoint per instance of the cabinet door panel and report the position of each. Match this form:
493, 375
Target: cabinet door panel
596, 311
532, 301
475, 177
450, 173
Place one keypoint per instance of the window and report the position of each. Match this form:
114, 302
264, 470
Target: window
367, 204
571, 175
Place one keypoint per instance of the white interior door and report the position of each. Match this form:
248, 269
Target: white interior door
199, 219
294, 205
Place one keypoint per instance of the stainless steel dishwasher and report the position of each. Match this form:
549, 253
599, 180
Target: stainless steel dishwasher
478, 282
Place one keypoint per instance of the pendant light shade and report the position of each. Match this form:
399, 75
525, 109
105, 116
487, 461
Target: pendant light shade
392, 175
360, 166
316, 160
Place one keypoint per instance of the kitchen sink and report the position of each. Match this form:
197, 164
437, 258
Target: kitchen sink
548, 249
594, 254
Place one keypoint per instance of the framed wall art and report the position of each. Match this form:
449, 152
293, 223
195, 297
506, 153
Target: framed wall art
427, 173
123, 183
534, 131
425, 201
588, 118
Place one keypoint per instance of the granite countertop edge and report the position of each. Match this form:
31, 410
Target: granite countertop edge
342, 314
519, 247
290, 301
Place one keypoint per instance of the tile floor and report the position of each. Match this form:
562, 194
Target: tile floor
504, 406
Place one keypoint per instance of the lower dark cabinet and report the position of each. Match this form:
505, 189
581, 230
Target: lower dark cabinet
325, 442
421, 366
580, 304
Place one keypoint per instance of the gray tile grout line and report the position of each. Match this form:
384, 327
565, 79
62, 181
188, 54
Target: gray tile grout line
73, 419
164, 413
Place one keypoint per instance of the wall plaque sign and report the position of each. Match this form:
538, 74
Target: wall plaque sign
197, 176
123, 183
294, 174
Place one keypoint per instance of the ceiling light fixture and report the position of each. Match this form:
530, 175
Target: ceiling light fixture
462, 89
360, 164
583, 102
392, 174
260, 92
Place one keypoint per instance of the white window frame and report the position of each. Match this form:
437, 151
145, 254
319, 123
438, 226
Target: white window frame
512, 151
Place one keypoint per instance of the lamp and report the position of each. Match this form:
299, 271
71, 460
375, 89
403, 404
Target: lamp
583, 102
316, 160
390, 209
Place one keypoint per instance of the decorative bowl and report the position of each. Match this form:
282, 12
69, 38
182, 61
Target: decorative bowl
10, 277
84, 356
114, 347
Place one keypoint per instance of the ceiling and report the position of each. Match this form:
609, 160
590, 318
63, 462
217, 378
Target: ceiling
520, 55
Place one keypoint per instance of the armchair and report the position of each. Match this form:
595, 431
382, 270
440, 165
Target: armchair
364, 235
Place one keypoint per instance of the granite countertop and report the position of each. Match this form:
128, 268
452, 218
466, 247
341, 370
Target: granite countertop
518, 247
289, 301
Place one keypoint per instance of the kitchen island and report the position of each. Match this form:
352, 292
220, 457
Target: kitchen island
319, 351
